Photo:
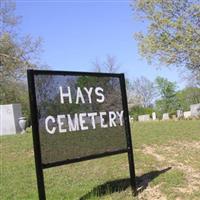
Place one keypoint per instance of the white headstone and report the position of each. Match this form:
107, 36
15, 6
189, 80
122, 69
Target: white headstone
130, 118
179, 113
153, 115
165, 116
195, 110
9, 119
143, 118
187, 114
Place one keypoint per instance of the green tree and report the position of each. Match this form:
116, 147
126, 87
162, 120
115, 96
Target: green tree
173, 33
188, 96
17, 54
167, 92
137, 110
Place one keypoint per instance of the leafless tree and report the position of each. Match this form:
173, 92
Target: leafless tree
142, 92
110, 65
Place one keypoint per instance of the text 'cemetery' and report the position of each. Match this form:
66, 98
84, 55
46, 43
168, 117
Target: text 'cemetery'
79, 121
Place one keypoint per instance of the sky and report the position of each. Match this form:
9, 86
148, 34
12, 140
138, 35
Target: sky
76, 33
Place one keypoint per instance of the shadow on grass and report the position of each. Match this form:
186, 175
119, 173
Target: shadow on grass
122, 184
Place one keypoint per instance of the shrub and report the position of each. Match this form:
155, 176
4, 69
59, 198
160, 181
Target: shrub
135, 111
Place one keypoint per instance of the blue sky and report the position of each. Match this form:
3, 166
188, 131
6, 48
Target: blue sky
76, 33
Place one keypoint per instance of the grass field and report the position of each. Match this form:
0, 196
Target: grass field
167, 160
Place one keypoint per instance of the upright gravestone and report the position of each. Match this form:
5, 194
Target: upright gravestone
187, 114
179, 114
143, 118
9, 116
131, 118
154, 116
195, 110
165, 116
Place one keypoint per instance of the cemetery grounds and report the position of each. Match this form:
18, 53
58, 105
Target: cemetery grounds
167, 161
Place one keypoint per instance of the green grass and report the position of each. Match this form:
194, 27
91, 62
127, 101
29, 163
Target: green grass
166, 158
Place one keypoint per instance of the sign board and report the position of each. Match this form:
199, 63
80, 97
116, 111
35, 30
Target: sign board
77, 116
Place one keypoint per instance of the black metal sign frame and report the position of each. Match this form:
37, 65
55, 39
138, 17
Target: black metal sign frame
35, 128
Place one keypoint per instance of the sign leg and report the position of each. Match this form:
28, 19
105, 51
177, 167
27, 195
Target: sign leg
132, 172
40, 183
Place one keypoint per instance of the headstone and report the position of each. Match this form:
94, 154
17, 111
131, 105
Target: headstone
154, 116
9, 116
130, 118
179, 114
143, 118
165, 116
195, 110
187, 114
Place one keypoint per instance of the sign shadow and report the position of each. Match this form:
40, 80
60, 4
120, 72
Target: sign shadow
122, 184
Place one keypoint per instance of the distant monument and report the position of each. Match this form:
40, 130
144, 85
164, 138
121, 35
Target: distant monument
165, 116
143, 118
187, 114
195, 110
179, 114
9, 116
153, 115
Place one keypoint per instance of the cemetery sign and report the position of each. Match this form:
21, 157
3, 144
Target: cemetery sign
78, 116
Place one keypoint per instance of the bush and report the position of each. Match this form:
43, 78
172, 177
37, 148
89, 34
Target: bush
135, 111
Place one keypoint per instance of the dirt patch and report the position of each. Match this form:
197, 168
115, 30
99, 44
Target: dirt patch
152, 193
192, 175
189, 145
150, 150
30, 153
178, 146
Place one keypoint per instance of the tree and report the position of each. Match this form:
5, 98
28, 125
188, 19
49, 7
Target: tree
132, 99
193, 80
110, 65
17, 54
166, 90
188, 96
135, 111
173, 33
142, 92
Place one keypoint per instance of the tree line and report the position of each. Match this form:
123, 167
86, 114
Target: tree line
172, 39
18, 52
160, 96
